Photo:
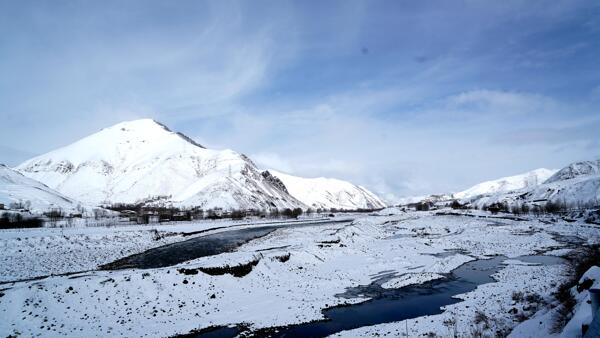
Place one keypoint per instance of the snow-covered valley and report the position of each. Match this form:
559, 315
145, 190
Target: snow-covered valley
137, 231
287, 277
292, 169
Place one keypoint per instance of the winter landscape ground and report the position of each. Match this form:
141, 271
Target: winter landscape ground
51, 284
293, 168
173, 239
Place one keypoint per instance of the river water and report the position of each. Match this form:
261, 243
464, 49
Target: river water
392, 305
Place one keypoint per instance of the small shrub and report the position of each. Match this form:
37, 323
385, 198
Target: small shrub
237, 215
579, 262
517, 296
283, 258
534, 298
585, 285
456, 205
450, 324
477, 332
521, 317
483, 319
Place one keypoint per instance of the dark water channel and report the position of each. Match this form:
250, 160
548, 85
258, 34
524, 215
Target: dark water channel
392, 305
213, 244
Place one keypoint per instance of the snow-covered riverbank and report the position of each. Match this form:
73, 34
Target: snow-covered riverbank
293, 273
33, 253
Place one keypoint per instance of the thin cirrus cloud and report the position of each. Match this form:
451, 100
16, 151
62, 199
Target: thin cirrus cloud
491, 101
403, 98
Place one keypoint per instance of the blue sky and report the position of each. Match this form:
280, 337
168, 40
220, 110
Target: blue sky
404, 97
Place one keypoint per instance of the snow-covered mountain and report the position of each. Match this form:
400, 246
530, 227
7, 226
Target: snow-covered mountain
142, 160
328, 192
575, 170
575, 184
31, 194
505, 184
410, 199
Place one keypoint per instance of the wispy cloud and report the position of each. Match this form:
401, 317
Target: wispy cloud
484, 101
446, 96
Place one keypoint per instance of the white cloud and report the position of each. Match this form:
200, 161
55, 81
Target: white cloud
343, 136
485, 101
281, 84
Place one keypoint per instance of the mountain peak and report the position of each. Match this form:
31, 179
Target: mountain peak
139, 124
143, 160
150, 127
576, 169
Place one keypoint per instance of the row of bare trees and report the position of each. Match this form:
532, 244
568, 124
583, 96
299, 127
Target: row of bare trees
537, 208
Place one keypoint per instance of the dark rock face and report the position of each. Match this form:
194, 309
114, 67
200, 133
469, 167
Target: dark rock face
189, 139
183, 136
64, 167
274, 180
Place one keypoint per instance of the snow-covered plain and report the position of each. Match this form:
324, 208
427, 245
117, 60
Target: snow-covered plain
54, 251
298, 271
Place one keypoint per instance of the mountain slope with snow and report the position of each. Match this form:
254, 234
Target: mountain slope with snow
142, 160
576, 184
31, 194
506, 184
575, 170
329, 192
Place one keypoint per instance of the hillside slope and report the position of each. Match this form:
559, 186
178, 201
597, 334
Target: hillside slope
577, 184
144, 161
329, 192
30, 194
505, 184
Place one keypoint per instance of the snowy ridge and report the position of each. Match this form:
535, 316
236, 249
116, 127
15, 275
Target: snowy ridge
576, 184
577, 169
35, 196
328, 192
506, 184
488, 190
143, 160
410, 199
